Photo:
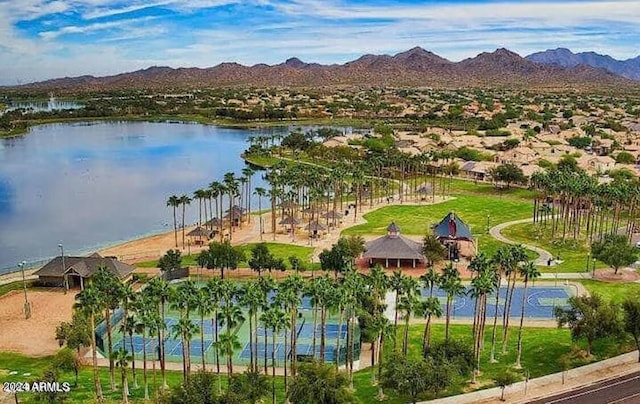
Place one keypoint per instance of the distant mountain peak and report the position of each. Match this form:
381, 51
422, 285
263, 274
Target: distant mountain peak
295, 63
414, 67
562, 57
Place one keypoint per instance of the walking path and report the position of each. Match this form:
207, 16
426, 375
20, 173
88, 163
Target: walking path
496, 232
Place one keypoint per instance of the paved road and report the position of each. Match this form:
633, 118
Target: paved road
618, 390
495, 232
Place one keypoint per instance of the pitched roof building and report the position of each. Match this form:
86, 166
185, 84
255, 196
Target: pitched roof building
78, 269
393, 246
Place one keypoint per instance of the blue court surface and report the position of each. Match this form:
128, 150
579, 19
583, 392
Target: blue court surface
301, 349
331, 331
540, 302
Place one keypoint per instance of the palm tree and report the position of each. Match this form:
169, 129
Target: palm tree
111, 291
518, 254
161, 291
204, 305
294, 284
382, 328
174, 202
528, 271
231, 315
213, 289
248, 172
451, 284
275, 320
251, 298
228, 344
428, 308
408, 303
396, 282
129, 327
217, 190
231, 186
184, 201
200, 195
261, 192
185, 329
122, 358
88, 301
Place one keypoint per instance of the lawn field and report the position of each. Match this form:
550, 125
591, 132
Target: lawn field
473, 210
615, 292
573, 255
542, 348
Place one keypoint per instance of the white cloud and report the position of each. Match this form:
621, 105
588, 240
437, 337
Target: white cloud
99, 26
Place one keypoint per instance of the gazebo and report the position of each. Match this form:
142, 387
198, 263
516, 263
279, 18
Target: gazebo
450, 231
314, 228
394, 247
199, 234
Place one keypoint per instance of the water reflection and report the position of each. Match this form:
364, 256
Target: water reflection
87, 186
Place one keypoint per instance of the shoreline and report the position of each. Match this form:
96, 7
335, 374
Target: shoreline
185, 119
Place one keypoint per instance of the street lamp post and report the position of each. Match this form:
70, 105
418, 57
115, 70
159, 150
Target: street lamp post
27, 305
593, 269
64, 270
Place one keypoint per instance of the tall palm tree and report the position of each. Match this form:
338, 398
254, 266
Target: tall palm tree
161, 291
248, 173
185, 330
88, 301
200, 195
383, 328
231, 186
451, 284
121, 358
396, 282
174, 202
481, 286
213, 289
251, 298
295, 284
129, 327
260, 192
111, 292
518, 254
267, 285
276, 320
231, 315
204, 306
184, 201
408, 304
428, 308
228, 344
529, 271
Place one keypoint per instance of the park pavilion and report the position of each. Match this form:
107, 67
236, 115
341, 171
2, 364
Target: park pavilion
199, 235
451, 231
393, 247
76, 270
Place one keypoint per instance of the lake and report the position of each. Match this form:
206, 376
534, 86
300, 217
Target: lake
90, 185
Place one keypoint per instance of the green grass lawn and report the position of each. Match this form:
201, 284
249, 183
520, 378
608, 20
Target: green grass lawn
418, 219
6, 288
482, 188
573, 255
615, 292
542, 348
279, 250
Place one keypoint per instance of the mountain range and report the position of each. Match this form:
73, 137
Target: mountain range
415, 67
563, 57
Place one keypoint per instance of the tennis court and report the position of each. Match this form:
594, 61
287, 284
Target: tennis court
541, 301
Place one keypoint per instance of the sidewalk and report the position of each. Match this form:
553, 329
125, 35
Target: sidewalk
523, 392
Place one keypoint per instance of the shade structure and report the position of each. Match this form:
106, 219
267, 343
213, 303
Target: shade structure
287, 221
332, 214
315, 226
313, 210
395, 247
215, 222
424, 189
199, 232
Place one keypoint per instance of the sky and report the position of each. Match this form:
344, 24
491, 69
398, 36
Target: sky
42, 39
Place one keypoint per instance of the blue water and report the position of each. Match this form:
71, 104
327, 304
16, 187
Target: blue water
90, 185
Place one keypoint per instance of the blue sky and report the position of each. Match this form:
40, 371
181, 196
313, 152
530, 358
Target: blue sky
42, 39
